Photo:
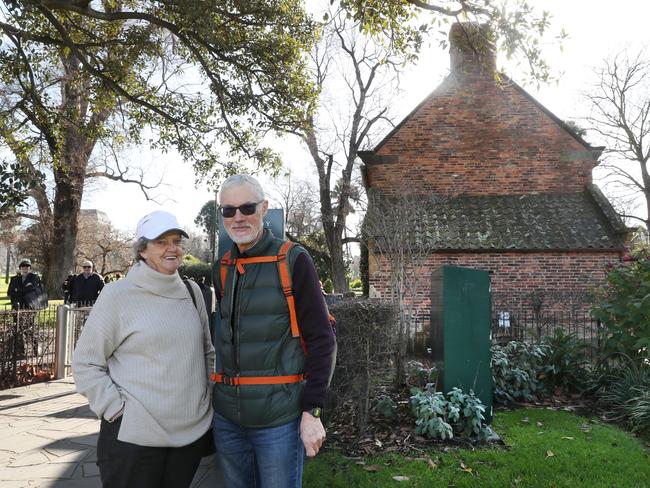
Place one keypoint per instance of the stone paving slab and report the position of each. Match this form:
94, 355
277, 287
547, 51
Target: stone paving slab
48, 439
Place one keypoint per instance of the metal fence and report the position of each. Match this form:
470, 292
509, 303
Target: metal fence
27, 346
34, 342
530, 326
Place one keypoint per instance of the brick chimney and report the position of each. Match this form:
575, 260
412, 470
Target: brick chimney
471, 49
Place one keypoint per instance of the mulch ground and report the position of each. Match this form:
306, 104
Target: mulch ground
398, 435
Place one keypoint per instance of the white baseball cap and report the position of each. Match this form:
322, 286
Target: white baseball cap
156, 224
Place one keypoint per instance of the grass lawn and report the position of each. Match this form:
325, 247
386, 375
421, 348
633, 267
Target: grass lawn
3, 293
545, 448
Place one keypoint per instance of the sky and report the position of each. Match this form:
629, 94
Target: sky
596, 29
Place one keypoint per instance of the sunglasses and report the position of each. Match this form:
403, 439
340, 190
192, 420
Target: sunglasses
88, 267
245, 209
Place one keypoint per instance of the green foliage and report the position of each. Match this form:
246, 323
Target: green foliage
356, 284
206, 218
441, 417
622, 389
567, 363
623, 307
15, 182
386, 407
639, 410
194, 268
328, 286
419, 375
517, 27
517, 371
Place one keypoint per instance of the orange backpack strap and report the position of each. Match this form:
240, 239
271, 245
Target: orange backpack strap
223, 269
285, 281
283, 272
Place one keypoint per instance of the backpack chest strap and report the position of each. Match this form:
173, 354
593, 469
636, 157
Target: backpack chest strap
283, 272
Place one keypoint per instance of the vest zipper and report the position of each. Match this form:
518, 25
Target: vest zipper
236, 336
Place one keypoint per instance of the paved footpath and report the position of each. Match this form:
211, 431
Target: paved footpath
48, 437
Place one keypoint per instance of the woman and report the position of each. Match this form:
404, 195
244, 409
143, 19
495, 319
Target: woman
143, 361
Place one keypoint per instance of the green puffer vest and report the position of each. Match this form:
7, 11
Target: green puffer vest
255, 340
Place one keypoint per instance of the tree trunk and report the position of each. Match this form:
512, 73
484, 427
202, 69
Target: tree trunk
59, 259
337, 267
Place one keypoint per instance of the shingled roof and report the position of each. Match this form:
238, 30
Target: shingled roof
575, 221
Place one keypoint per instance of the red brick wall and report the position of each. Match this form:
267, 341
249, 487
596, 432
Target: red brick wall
560, 277
480, 137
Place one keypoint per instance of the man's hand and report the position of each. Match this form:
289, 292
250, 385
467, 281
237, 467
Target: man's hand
312, 433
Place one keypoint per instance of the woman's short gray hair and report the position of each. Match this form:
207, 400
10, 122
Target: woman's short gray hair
139, 246
242, 179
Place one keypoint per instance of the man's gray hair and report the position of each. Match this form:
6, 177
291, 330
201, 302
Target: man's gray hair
243, 179
139, 246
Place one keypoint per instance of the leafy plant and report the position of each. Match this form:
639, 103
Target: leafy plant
356, 284
437, 416
622, 389
566, 362
623, 307
420, 375
517, 371
386, 407
639, 410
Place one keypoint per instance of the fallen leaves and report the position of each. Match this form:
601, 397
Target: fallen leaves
549, 454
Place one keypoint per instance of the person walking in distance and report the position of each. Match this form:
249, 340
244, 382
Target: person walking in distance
87, 285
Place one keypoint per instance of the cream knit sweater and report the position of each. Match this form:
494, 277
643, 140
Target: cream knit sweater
145, 347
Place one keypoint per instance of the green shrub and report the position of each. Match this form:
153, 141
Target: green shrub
419, 375
441, 417
517, 369
328, 286
386, 407
196, 269
623, 307
566, 363
356, 284
622, 387
639, 410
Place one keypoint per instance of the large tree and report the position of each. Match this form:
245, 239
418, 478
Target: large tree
352, 73
620, 116
199, 76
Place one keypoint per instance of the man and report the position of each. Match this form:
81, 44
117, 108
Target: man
68, 287
87, 285
25, 287
269, 394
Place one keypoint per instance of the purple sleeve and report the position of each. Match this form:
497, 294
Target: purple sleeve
315, 329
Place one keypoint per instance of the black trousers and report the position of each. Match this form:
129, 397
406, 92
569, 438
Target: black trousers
126, 465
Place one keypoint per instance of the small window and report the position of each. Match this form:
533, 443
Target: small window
504, 320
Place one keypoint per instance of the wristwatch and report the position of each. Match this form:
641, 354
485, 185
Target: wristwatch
316, 412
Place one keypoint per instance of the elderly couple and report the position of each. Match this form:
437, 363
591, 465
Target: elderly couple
144, 359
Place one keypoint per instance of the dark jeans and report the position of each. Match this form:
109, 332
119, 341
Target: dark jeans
126, 465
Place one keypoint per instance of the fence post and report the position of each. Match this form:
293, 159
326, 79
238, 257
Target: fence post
61, 349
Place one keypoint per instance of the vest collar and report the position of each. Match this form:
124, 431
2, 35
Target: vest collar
260, 248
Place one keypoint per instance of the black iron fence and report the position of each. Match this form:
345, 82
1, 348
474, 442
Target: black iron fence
531, 326
27, 346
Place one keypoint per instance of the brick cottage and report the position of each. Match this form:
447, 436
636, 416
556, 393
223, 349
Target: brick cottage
518, 198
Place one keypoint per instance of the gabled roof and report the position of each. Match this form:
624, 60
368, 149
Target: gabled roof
574, 221
450, 79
